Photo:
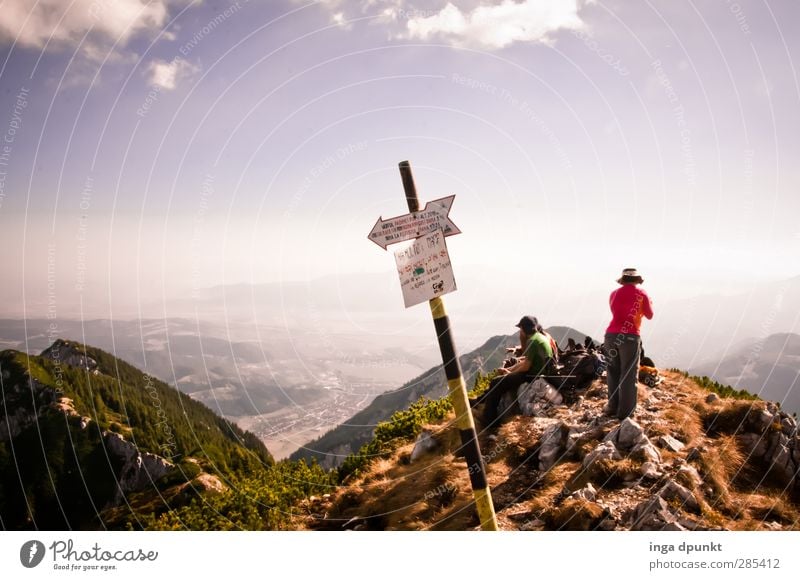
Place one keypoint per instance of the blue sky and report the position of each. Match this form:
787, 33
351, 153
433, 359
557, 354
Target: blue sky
161, 146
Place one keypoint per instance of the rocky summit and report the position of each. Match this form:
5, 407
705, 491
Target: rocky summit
689, 459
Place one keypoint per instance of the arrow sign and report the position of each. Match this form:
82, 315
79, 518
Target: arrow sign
432, 217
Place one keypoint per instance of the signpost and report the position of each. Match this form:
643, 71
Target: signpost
424, 268
412, 225
426, 274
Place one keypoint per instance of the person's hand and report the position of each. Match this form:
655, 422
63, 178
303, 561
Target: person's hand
502, 371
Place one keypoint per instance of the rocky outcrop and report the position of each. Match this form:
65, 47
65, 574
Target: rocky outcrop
137, 470
532, 398
25, 402
685, 462
69, 353
424, 444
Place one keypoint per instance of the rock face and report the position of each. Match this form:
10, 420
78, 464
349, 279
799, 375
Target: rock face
770, 438
425, 444
138, 470
23, 404
31, 400
68, 353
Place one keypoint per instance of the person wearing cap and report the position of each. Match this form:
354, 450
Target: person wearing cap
623, 342
537, 354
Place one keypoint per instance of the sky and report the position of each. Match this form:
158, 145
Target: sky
151, 150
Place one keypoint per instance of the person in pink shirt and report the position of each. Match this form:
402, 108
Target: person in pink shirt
623, 342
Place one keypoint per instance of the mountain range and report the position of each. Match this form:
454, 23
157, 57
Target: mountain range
769, 368
88, 441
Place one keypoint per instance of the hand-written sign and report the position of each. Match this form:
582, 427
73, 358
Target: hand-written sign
424, 268
432, 218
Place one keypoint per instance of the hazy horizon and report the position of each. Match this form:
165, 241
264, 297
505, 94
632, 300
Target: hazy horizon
150, 153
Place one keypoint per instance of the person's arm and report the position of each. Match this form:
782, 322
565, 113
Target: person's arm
647, 306
522, 366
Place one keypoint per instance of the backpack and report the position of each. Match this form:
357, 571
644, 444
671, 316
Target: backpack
576, 371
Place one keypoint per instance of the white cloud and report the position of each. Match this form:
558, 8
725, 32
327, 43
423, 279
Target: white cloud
166, 75
495, 26
65, 23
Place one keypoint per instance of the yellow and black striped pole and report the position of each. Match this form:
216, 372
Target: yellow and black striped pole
456, 387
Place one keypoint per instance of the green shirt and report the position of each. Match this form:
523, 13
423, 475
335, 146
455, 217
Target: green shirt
538, 351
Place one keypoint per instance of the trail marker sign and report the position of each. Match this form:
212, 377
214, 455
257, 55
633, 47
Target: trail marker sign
426, 275
433, 217
424, 268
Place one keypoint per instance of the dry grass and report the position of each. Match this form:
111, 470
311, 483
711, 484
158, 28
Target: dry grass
574, 515
754, 510
718, 464
551, 485
731, 418
685, 421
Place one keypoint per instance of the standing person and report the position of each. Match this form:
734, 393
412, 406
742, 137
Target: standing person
537, 354
623, 342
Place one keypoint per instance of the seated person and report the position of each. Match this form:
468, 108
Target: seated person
536, 359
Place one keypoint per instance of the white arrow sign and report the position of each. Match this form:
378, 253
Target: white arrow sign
413, 225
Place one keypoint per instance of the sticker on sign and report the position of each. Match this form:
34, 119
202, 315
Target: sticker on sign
424, 268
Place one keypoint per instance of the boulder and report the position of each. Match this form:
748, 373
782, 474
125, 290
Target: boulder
552, 445
674, 490
532, 398
606, 450
646, 451
691, 474
712, 398
761, 420
650, 470
755, 445
424, 444
788, 426
781, 460
627, 435
588, 493
670, 443
654, 515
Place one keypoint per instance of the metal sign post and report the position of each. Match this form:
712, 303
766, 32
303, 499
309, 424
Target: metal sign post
425, 269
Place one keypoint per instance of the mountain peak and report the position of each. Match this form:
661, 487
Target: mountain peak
689, 459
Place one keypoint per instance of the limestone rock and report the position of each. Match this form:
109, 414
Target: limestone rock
588, 493
646, 451
532, 398
654, 515
788, 426
669, 442
551, 445
650, 470
425, 443
754, 444
605, 450
691, 474
780, 457
674, 490
627, 435
138, 471
205, 482
761, 420
68, 353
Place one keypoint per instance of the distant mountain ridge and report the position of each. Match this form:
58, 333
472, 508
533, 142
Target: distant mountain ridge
769, 368
88, 441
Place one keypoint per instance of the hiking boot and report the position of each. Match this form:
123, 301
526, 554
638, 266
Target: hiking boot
609, 412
